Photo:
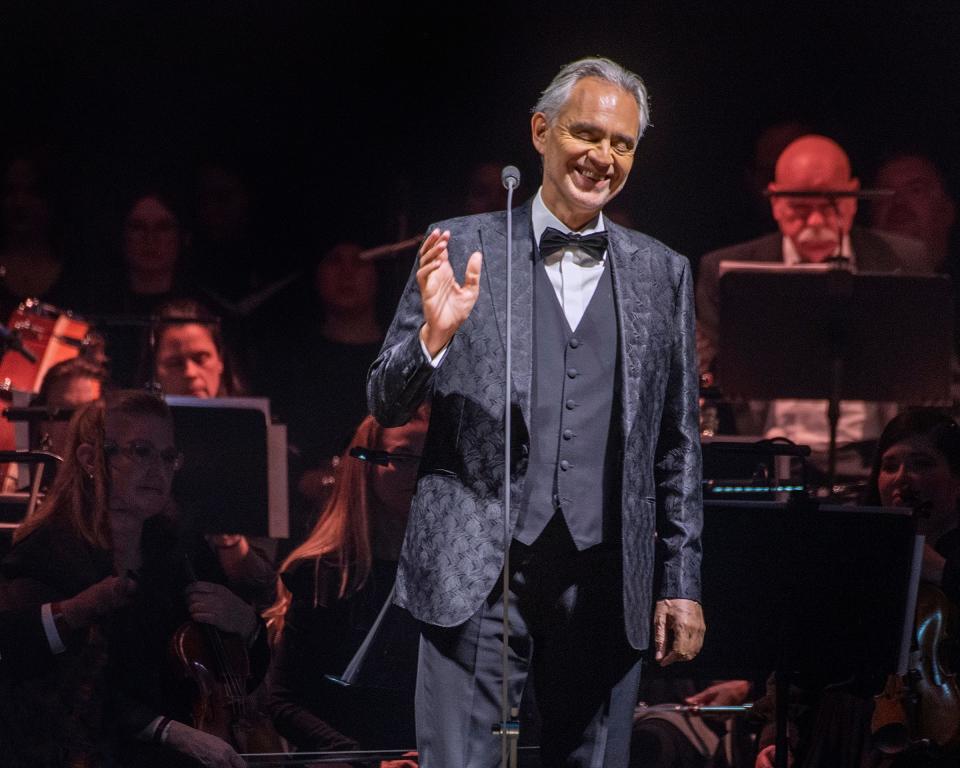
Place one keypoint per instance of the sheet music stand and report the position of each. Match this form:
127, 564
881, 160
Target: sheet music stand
827, 592
796, 332
234, 476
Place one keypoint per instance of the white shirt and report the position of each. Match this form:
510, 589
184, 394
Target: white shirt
573, 273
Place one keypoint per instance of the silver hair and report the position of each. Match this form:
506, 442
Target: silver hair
556, 94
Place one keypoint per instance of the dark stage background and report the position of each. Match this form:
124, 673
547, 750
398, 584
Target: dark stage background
367, 124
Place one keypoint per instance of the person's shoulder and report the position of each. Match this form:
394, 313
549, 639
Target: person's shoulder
644, 242
478, 221
748, 250
905, 250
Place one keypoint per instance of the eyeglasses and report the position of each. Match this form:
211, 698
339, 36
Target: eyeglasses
144, 454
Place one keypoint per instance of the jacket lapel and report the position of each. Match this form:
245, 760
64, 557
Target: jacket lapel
493, 239
630, 273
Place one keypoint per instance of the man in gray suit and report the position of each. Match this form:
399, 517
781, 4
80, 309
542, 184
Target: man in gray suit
605, 474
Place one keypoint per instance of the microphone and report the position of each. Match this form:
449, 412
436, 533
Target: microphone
510, 177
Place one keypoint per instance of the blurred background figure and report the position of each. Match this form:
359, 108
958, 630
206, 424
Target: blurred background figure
920, 207
331, 589
67, 385
31, 249
231, 258
315, 350
149, 271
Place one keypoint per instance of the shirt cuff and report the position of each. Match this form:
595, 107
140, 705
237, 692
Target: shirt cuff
436, 359
50, 629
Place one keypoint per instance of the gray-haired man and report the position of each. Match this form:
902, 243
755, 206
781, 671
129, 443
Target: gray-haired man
606, 469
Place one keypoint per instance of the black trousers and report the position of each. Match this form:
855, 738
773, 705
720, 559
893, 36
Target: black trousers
567, 636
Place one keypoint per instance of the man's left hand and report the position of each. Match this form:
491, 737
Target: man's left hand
678, 629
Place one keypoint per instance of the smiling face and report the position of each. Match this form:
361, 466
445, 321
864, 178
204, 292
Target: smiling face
140, 474
587, 150
913, 473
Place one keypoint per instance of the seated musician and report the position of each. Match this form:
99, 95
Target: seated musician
811, 230
331, 589
193, 360
102, 568
917, 466
66, 385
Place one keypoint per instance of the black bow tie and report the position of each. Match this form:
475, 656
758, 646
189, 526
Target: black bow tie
553, 240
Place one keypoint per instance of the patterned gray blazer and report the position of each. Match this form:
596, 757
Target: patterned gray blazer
453, 551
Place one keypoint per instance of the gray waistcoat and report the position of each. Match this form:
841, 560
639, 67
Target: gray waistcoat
572, 463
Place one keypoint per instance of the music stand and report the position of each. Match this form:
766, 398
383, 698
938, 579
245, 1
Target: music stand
234, 476
827, 592
797, 332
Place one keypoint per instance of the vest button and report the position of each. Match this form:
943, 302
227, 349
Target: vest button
572, 372
571, 404
568, 434
574, 342
564, 465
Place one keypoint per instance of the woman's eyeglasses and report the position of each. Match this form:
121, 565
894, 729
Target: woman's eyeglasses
144, 453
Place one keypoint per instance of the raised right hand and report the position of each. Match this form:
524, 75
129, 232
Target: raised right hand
204, 748
446, 303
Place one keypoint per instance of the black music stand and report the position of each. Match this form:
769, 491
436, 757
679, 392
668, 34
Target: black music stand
796, 332
233, 478
826, 592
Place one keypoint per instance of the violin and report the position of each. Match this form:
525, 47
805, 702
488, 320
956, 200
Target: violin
924, 706
218, 666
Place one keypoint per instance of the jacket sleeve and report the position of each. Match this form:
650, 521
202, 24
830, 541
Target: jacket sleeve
400, 377
24, 648
677, 468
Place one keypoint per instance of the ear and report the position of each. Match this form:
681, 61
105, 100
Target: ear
538, 131
86, 457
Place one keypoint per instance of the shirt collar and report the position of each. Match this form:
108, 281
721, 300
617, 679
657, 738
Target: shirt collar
542, 218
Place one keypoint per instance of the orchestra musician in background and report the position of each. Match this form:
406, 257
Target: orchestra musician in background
109, 602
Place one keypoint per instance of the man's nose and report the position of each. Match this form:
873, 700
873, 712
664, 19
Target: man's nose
601, 153
191, 370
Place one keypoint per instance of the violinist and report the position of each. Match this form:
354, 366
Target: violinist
917, 465
107, 699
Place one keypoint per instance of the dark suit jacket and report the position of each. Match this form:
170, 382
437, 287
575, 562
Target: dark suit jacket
874, 252
453, 551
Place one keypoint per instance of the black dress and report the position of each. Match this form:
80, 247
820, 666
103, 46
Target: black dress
321, 634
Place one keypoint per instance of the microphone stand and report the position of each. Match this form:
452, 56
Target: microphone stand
508, 729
